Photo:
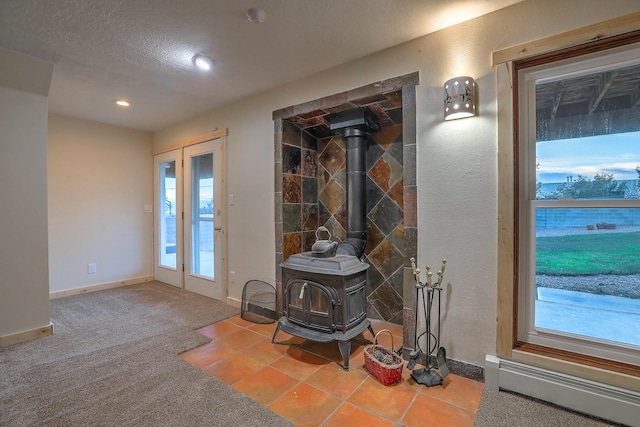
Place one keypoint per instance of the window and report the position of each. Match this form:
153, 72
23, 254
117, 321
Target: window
579, 204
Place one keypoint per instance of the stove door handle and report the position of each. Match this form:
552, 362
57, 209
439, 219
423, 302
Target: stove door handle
304, 286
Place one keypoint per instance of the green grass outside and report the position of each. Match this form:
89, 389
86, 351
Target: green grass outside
584, 254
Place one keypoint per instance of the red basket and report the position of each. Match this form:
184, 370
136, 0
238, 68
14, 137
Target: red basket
383, 363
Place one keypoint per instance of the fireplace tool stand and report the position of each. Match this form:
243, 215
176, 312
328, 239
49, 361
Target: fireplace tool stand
428, 375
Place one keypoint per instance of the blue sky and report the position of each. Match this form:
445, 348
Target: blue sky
618, 154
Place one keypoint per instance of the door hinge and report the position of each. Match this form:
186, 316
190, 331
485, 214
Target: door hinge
183, 215
183, 268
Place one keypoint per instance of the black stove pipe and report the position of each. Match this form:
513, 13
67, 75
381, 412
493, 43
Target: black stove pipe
356, 140
355, 125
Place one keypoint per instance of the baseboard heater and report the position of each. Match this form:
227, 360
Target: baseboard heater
582, 395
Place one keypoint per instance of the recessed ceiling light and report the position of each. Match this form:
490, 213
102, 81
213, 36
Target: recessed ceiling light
122, 103
203, 62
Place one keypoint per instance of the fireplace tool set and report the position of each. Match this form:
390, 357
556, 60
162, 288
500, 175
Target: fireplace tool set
433, 350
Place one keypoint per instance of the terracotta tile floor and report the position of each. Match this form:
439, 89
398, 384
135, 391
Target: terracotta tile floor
304, 381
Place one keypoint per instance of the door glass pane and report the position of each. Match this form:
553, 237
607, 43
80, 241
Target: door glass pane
167, 209
202, 215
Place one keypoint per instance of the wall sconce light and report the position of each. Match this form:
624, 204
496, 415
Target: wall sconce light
460, 97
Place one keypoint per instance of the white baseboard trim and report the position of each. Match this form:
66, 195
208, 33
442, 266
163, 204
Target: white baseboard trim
99, 287
582, 395
26, 335
233, 302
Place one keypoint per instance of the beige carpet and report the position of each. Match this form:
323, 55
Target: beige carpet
113, 360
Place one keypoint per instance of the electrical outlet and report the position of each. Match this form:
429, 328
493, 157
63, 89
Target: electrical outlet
91, 268
232, 276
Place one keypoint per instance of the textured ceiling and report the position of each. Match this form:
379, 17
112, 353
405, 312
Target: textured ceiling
141, 50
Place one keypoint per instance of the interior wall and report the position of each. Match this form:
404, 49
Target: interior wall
100, 179
24, 275
456, 161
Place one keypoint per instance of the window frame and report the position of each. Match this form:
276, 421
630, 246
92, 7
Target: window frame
558, 65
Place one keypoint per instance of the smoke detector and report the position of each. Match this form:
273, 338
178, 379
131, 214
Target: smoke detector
256, 15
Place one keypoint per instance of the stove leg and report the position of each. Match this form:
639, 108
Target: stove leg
373, 334
273, 338
345, 351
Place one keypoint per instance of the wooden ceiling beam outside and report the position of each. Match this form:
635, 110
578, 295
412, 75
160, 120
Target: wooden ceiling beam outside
606, 79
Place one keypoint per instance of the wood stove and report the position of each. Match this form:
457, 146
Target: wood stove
323, 293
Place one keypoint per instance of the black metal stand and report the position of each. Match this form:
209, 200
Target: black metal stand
428, 375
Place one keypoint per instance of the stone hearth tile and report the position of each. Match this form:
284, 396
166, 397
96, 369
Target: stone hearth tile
386, 215
333, 196
233, 368
283, 113
333, 157
459, 391
312, 113
380, 173
309, 163
410, 243
437, 412
372, 313
386, 172
207, 354
341, 176
265, 385
278, 232
333, 379
291, 217
336, 230
292, 243
410, 207
374, 279
277, 200
401, 82
323, 178
387, 401
387, 258
291, 134
386, 301
388, 135
308, 239
323, 213
310, 190
371, 90
367, 100
395, 149
393, 101
241, 339
351, 415
305, 406
374, 152
291, 188
409, 164
397, 280
322, 144
374, 194
309, 217
397, 237
381, 114
291, 159
374, 237
397, 193
341, 216
340, 142
396, 115
309, 142
320, 131
277, 177
218, 330
299, 363
264, 351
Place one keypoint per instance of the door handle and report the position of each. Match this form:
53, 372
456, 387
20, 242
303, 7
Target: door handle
217, 228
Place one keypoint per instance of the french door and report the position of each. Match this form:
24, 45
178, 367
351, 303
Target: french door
190, 218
